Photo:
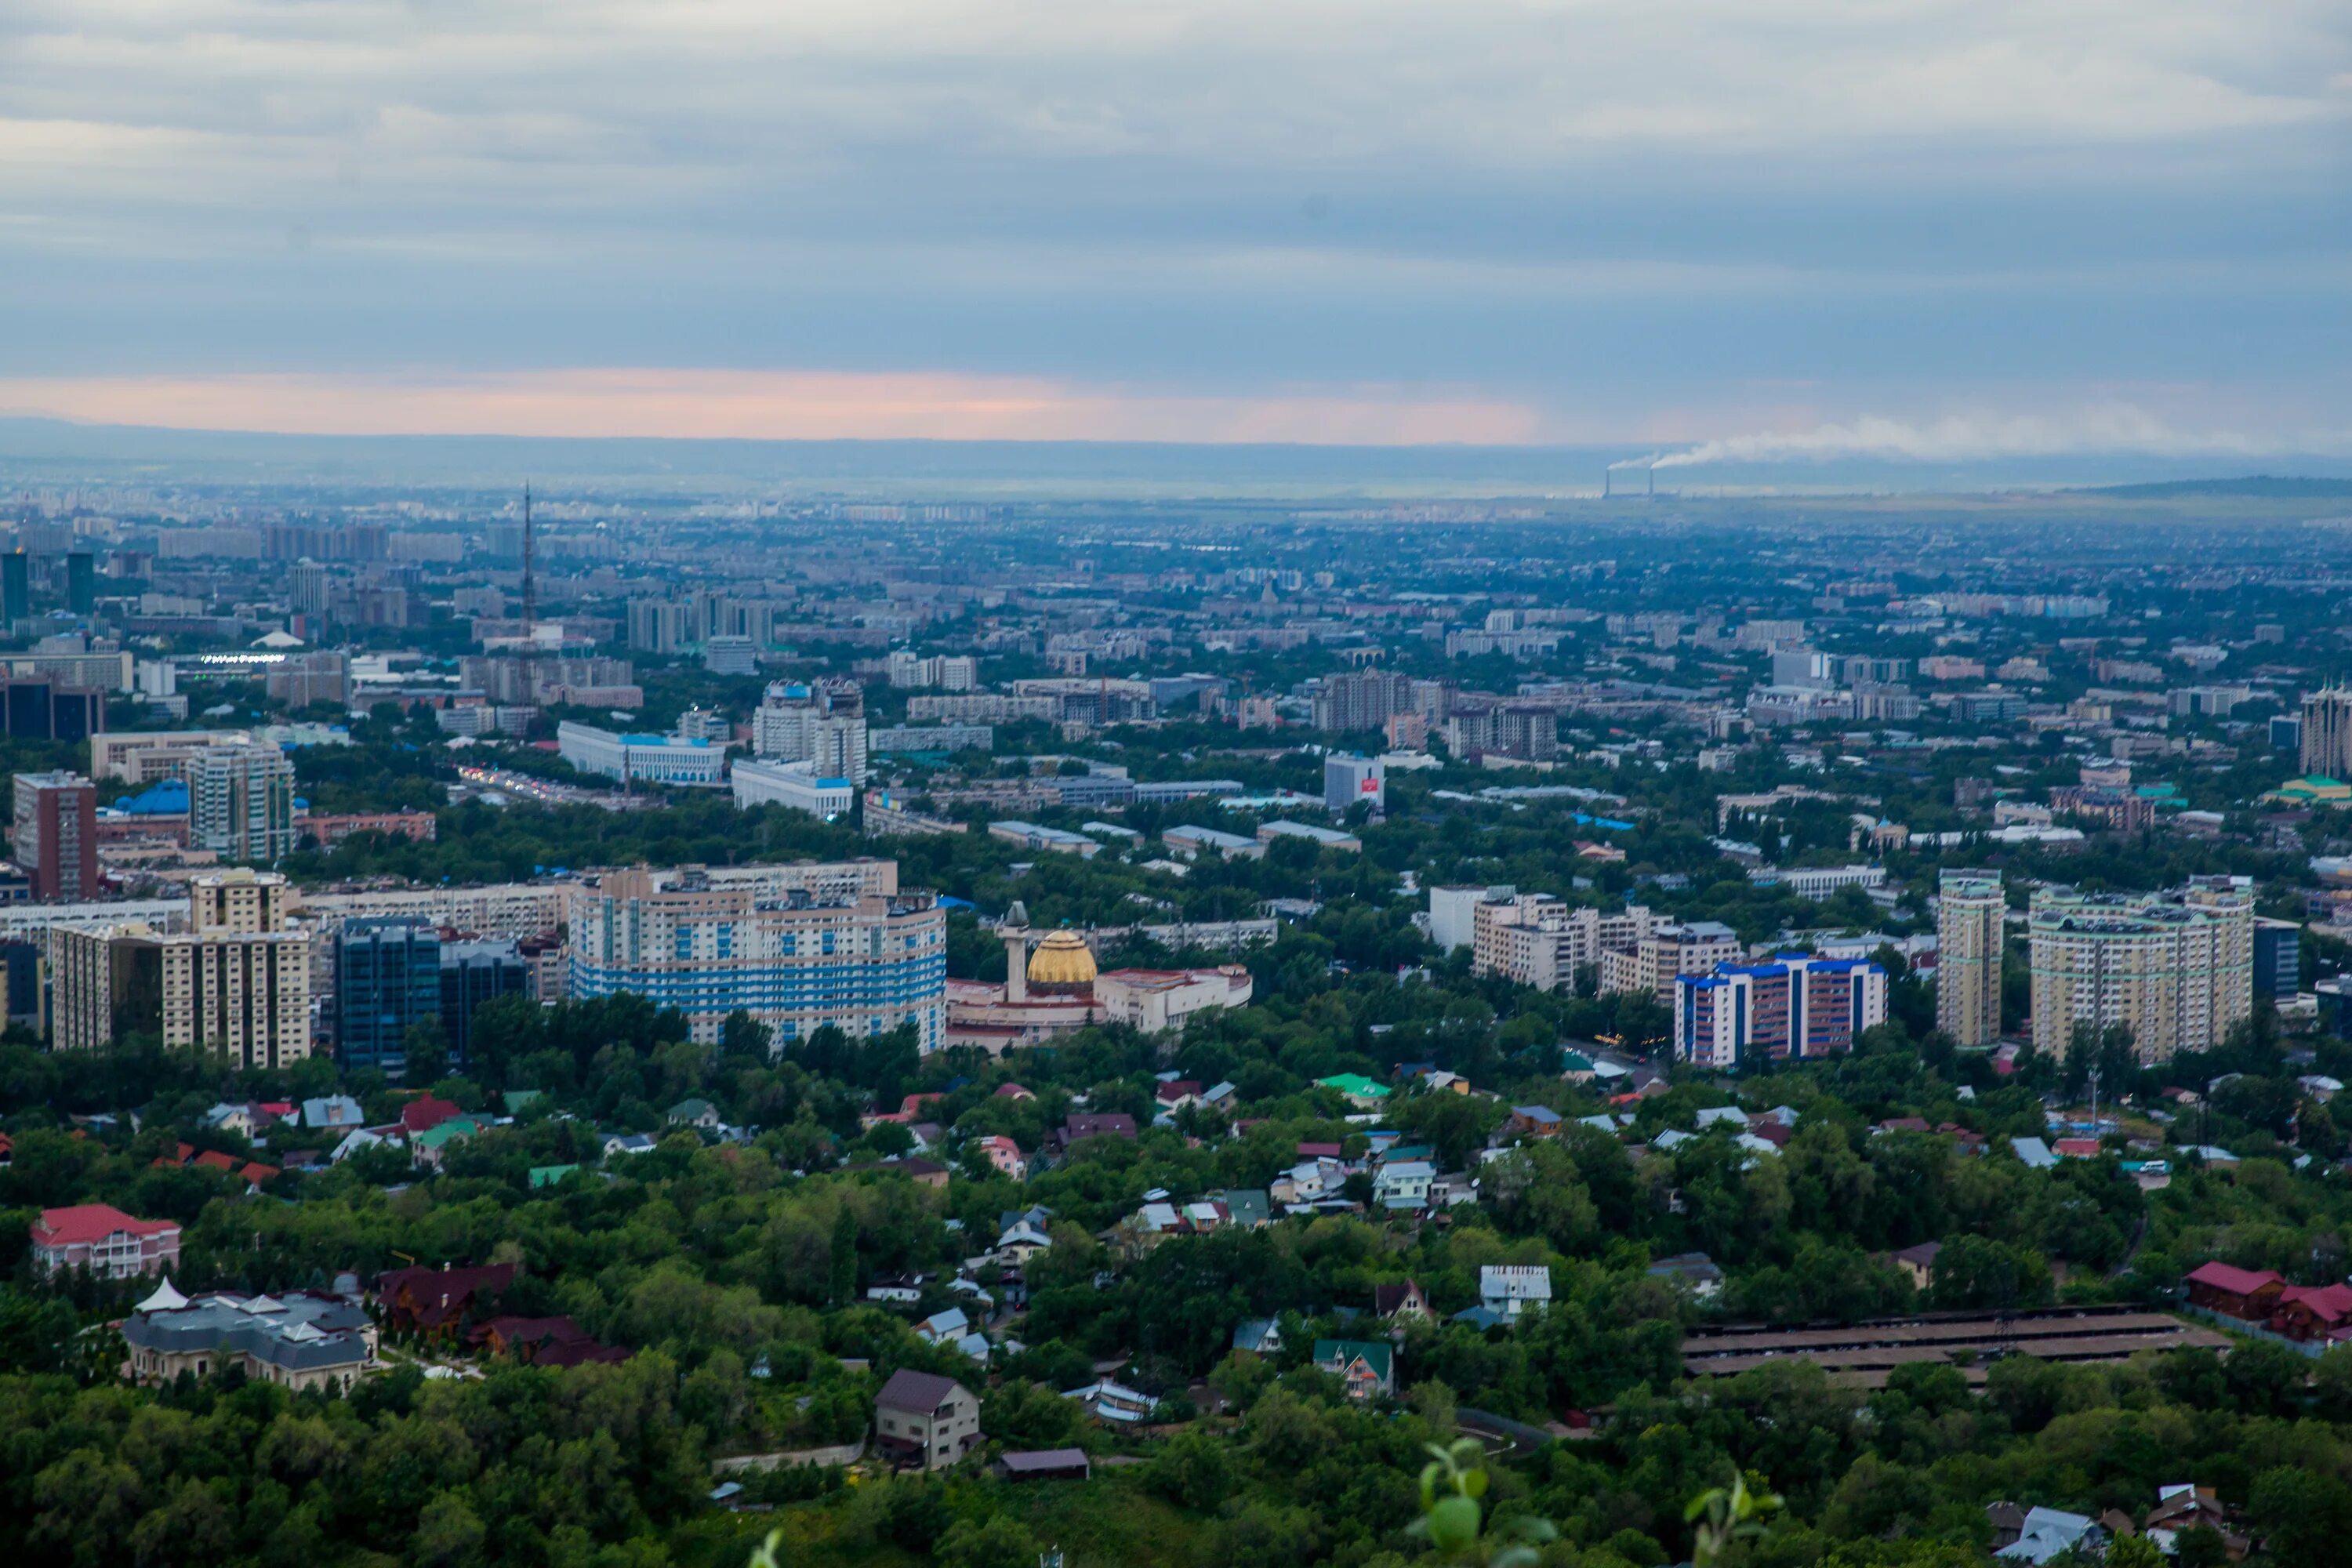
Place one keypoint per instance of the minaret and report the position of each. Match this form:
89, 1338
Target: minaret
529, 593
1015, 933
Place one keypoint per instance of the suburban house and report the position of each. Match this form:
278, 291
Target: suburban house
437, 1301
1113, 1401
2184, 1506
1367, 1366
922, 1172
333, 1110
1694, 1270
1458, 1187
2309, 1313
1357, 1090
2037, 1534
1511, 1289
304, 1339
1078, 1126
2235, 1293
1005, 1155
1539, 1121
430, 1147
543, 1341
1246, 1206
1402, 1299
696, 1112
906, 1289
104, 1240
425, 1113
1403, 1183
925, 1422
944, 1327
1257, 1336
1022, 1240
1919, 1262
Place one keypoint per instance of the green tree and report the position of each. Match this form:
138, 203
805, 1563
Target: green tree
997, 1542
425, 1052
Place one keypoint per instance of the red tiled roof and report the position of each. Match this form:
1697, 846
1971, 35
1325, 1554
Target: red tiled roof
93, 1222
216, 1160
2328, 1303
2239, 1281
425, 1114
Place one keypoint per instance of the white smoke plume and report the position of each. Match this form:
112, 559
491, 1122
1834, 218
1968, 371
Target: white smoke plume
1960, 437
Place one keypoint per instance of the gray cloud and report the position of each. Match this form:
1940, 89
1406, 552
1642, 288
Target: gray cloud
1642, 211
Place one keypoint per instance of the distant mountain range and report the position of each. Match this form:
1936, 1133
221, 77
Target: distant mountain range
34, 450
2259, 487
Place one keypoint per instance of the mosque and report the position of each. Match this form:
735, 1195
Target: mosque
1052, 987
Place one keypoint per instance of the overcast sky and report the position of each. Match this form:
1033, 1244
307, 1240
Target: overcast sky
1755, 227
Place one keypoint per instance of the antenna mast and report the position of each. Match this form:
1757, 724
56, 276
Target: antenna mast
529, 593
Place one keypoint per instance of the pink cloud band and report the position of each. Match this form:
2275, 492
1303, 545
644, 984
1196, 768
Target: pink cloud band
772, 405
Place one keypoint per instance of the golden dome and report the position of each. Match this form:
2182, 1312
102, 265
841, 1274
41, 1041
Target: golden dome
1062, 959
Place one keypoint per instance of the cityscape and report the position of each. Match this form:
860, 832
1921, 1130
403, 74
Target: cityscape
1192, 787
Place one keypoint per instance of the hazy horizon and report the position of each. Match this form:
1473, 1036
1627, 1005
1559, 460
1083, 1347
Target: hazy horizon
1729, 235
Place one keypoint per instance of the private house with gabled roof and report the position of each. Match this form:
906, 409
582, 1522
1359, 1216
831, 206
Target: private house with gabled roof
1400, 1300
925, 1422
437, 1301
1367, 1367
1511, 1289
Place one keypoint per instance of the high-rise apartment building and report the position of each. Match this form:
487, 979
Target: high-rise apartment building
794, 959
56, 839
2327, 732
305, 587
1361, 700
1664, 953
2177, 968
474, 972
81, 581
16, 587
241, 802
1535, 939
1795, 1006
238, 995
1350, 780
658, 626
2278, 960
950, 672
1969, 909
308, 677
148, 757
387, 978
824, 725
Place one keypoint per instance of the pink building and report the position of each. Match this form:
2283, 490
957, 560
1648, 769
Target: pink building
1005, 1155
104, 1240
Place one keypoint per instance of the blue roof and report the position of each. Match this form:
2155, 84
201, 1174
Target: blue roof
168, 797
660, 740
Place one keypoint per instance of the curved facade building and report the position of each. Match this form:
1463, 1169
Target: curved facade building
796, 960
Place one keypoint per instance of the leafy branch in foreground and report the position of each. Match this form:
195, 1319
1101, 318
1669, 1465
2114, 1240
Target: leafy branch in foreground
1724, 1516
1450, 1485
